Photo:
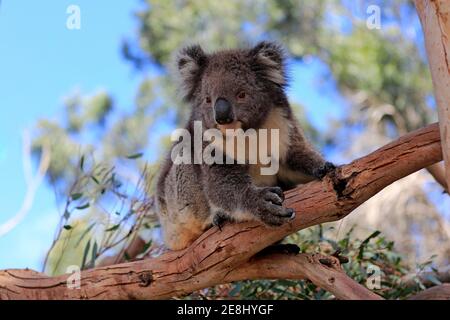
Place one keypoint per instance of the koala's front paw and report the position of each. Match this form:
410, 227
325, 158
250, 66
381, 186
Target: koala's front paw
324, 170
269, 207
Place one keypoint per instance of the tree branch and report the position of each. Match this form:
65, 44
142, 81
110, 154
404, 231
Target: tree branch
441, 292
438, 173
443, 275
32, 182
323, 271
213, 258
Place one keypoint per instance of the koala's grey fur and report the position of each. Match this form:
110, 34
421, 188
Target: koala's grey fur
191, 198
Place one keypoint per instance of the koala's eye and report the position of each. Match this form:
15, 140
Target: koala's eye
208, 99
241, 95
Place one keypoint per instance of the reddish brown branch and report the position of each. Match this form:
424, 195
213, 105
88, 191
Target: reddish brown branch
438, 173
213, 258
324, 271
441, 292
442, 275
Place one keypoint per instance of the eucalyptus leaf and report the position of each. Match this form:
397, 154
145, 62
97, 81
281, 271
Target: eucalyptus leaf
135, 156
76, 196
84, 206
85, 254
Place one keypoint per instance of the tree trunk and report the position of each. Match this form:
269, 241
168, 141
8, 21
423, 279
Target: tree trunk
435, 18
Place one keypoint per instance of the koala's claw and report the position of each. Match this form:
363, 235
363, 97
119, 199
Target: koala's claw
273, 197
270, 209
219, 220
278, 191
277, 217
324, 170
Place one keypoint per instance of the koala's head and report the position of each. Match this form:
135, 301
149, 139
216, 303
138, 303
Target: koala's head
233, 88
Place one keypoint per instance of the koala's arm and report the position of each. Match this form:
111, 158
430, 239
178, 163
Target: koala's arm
304, 158
231, 192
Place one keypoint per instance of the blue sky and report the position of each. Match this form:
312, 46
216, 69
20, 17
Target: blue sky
43, 61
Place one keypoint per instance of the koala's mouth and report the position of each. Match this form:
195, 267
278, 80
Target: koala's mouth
236, 124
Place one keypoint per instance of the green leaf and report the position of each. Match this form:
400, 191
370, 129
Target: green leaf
84, 206
147, 225
95, 179
76, 196
114, 227
82, 163
135, 156
287, 283
373, 235
235, 291
67, 227
146, 246
94, 255
126, 256
85, 253
363, 244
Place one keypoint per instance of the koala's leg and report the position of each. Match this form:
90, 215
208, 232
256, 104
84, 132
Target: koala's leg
304, 158
230, 191
182, 207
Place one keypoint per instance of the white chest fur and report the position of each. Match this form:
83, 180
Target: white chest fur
276, 120
276, 148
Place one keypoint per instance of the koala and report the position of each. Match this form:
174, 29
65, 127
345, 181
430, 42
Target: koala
234, 89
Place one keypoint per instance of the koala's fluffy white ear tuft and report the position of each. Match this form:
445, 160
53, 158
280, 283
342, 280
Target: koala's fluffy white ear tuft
269, 61
190, 63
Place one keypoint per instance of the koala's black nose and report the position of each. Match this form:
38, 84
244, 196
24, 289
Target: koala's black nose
223, 111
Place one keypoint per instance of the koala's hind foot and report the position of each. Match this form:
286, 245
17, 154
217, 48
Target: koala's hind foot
219, 220
266, 204
324, 170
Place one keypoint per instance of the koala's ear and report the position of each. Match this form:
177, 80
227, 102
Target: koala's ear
190, 63
269, 59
